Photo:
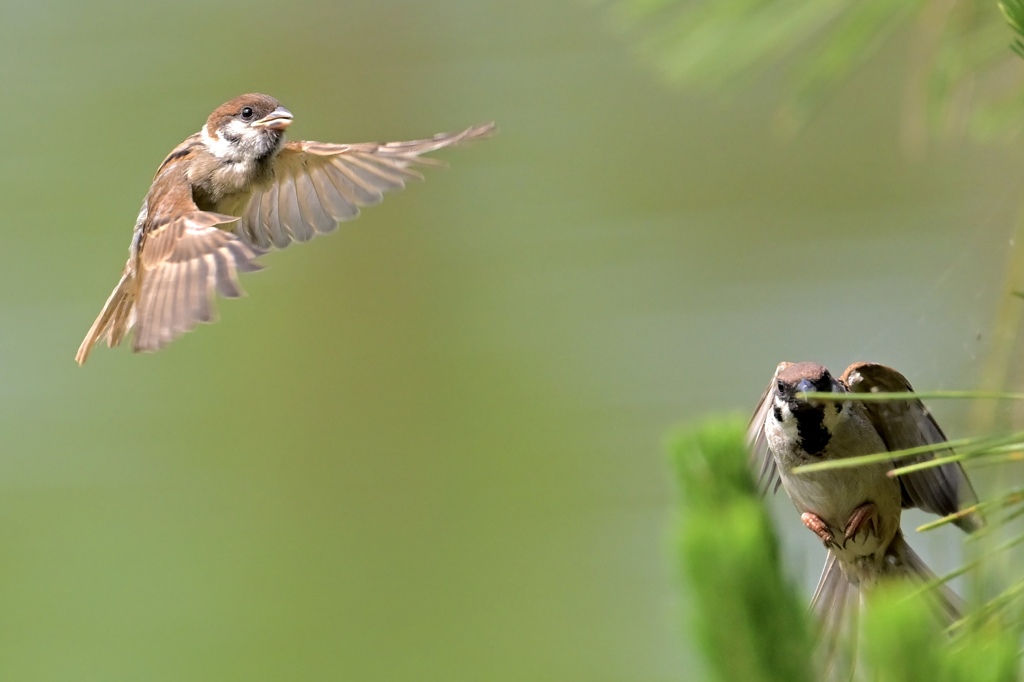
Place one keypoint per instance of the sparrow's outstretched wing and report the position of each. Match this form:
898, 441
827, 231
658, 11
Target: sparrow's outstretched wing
316, 185
169, 288
183, 262
761, 459
905, 424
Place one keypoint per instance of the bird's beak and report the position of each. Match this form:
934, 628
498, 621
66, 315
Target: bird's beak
805, 386
278, 119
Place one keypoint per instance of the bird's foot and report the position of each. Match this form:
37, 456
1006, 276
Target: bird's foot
818, 527
864, 517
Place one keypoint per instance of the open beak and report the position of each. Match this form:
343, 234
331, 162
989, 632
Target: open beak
278, 119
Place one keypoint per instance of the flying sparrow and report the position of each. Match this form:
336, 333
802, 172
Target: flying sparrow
229, 193
856, 511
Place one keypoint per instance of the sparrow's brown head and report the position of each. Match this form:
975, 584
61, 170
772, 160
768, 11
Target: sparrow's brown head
811, 421
805, 377
249, 127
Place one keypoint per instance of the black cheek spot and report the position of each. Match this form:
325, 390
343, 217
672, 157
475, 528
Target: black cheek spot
778, 413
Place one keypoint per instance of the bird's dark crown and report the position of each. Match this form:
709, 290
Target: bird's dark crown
257, 104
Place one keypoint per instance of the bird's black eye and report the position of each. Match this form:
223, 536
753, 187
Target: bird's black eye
247, 113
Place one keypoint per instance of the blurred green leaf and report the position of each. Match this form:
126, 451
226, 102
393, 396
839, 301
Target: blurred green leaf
904, 643
853, 38
751, 621
902, 638
954, 81
1013, 10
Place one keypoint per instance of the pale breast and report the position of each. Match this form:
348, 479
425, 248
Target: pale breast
834, 495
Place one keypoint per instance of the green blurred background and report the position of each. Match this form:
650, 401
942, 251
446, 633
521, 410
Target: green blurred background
428, 447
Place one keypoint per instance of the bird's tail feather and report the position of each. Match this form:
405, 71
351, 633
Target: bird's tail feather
903, 562
838, 598
836, 603
114, 320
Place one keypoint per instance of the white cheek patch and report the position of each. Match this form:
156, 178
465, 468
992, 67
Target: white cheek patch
787, 423
832, 416
239, 129
218, 146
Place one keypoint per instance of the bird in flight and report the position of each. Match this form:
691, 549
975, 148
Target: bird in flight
227, 195
856, 511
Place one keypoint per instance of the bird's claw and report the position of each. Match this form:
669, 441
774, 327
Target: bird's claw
818, 527
863, 517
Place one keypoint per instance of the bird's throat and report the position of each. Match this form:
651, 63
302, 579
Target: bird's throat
810, 427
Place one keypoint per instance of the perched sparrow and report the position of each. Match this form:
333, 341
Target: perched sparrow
229, 193
855, 511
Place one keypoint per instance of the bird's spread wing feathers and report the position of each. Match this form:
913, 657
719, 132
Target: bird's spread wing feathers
905, 424
761, 458
316, 185
184, 261
185, 254
169, 287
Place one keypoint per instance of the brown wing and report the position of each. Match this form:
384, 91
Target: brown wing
905, 424
316, 185
183, 262
761, 458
